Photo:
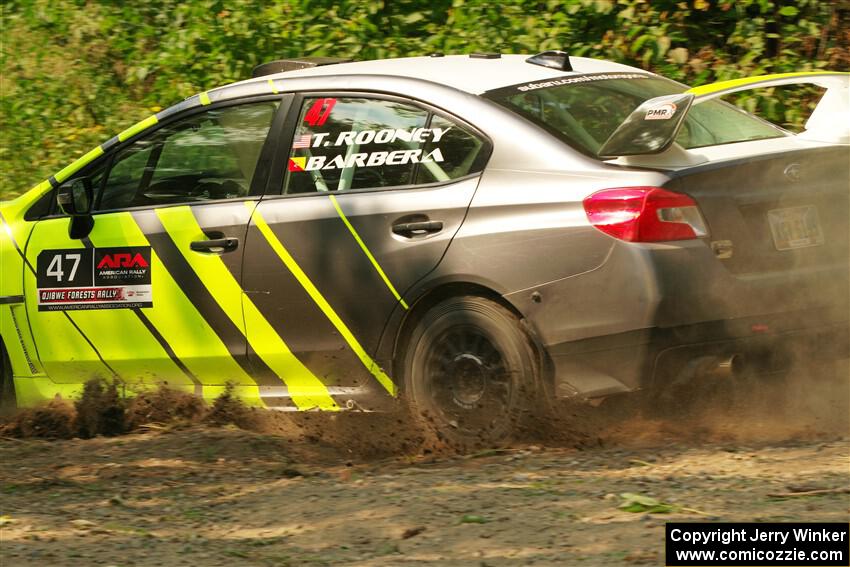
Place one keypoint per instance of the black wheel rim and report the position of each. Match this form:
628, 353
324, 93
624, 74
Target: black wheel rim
469, 382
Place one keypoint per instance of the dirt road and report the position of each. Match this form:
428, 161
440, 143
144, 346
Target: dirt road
223, 496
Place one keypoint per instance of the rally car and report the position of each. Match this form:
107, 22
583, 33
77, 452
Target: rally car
475, 235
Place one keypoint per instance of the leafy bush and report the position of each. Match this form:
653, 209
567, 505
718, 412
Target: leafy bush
74, 72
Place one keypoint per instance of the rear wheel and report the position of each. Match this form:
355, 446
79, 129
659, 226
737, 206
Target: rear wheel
469, 372
8, 402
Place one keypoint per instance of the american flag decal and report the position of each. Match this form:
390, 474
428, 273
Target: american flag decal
301, 141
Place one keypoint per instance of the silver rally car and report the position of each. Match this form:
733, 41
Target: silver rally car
478, 235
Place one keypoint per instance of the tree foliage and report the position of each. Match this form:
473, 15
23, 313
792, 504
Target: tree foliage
74, 72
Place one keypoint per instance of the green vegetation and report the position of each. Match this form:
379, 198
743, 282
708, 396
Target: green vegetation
75, 72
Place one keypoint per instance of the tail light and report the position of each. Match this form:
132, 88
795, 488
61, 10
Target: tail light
645, 214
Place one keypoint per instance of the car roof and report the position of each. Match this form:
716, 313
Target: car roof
474, 75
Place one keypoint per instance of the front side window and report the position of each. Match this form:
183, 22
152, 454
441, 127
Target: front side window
585, 114
364, 143
208, 156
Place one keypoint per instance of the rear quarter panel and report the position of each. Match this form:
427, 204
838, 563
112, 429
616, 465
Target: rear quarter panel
527, 237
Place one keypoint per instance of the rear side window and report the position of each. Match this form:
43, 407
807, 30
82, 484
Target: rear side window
585, 114
345, 143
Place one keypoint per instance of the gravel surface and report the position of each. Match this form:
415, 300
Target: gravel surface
295, 496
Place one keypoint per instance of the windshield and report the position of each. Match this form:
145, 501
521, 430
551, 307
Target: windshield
584, 114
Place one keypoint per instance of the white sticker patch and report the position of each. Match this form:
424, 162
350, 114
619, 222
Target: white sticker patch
661, 112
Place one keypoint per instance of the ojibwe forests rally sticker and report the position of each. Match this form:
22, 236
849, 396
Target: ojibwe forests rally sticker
94, 278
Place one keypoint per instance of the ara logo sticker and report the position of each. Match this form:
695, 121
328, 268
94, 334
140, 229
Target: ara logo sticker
661, 112
122, 260
94, 278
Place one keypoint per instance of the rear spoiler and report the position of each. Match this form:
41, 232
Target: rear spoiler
652, 127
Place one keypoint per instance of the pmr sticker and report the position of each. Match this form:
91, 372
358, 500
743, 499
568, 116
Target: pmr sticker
94, 278
661, 112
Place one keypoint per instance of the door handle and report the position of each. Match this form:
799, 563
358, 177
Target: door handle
215, 245
410, 229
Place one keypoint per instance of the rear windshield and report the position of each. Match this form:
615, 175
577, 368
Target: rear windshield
585, 114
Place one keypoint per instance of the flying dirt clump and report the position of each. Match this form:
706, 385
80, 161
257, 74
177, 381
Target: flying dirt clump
227, 409
101, 410
164, 406
54, 420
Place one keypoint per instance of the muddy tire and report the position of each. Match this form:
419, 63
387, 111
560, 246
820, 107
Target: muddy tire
470, 373
8, 401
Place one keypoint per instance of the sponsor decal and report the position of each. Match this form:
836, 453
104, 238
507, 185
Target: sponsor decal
319, 111
94, 278
367, 159
370, 159
661, 112
123, 260
577, 79
363, 137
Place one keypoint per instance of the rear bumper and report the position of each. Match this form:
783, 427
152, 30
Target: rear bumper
652, 359
622, 326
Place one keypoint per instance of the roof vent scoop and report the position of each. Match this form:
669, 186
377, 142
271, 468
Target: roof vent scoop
559, 60
283, 65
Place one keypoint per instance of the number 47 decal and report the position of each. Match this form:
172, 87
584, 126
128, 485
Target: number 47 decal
319, 112
55, 270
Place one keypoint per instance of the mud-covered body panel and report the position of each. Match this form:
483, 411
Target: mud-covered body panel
742, 295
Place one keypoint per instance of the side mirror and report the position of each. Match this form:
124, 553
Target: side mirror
75, 199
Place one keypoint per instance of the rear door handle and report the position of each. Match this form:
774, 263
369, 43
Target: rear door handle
215, 245
410, 229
